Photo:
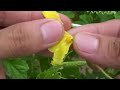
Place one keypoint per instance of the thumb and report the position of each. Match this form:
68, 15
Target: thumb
29, 37
98, 49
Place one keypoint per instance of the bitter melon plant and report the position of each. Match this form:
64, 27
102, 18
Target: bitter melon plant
67, 65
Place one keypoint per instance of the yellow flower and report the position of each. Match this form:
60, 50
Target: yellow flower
61, 48
51, 15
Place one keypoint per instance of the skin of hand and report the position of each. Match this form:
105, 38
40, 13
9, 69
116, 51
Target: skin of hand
27, 32
99, 43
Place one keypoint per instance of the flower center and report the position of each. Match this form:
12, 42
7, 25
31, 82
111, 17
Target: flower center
68, 39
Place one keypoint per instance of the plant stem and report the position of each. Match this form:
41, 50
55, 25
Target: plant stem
73, 64
108, 76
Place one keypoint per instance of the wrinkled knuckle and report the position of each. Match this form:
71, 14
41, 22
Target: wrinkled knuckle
19, 39
114, 49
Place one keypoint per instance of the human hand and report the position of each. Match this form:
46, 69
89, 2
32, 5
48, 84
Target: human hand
25, 33
99, 43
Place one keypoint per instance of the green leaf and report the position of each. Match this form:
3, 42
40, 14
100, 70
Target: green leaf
70, 14
34, 68
45, 62
92, 75
70, 72
117, 15
37, 64
16, 69
86, 18
67, 69
105, 17
112, 72
51, 73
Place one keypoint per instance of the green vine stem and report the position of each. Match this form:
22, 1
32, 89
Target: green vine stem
108, 76
73, 64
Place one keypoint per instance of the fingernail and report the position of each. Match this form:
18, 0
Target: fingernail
51, 31
86, 42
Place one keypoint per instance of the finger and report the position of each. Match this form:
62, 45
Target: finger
66, 21
108, 28
8, 18
29, 37
98, 49
46, 53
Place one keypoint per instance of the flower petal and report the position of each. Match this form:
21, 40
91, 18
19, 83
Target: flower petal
51, 15
61, 48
